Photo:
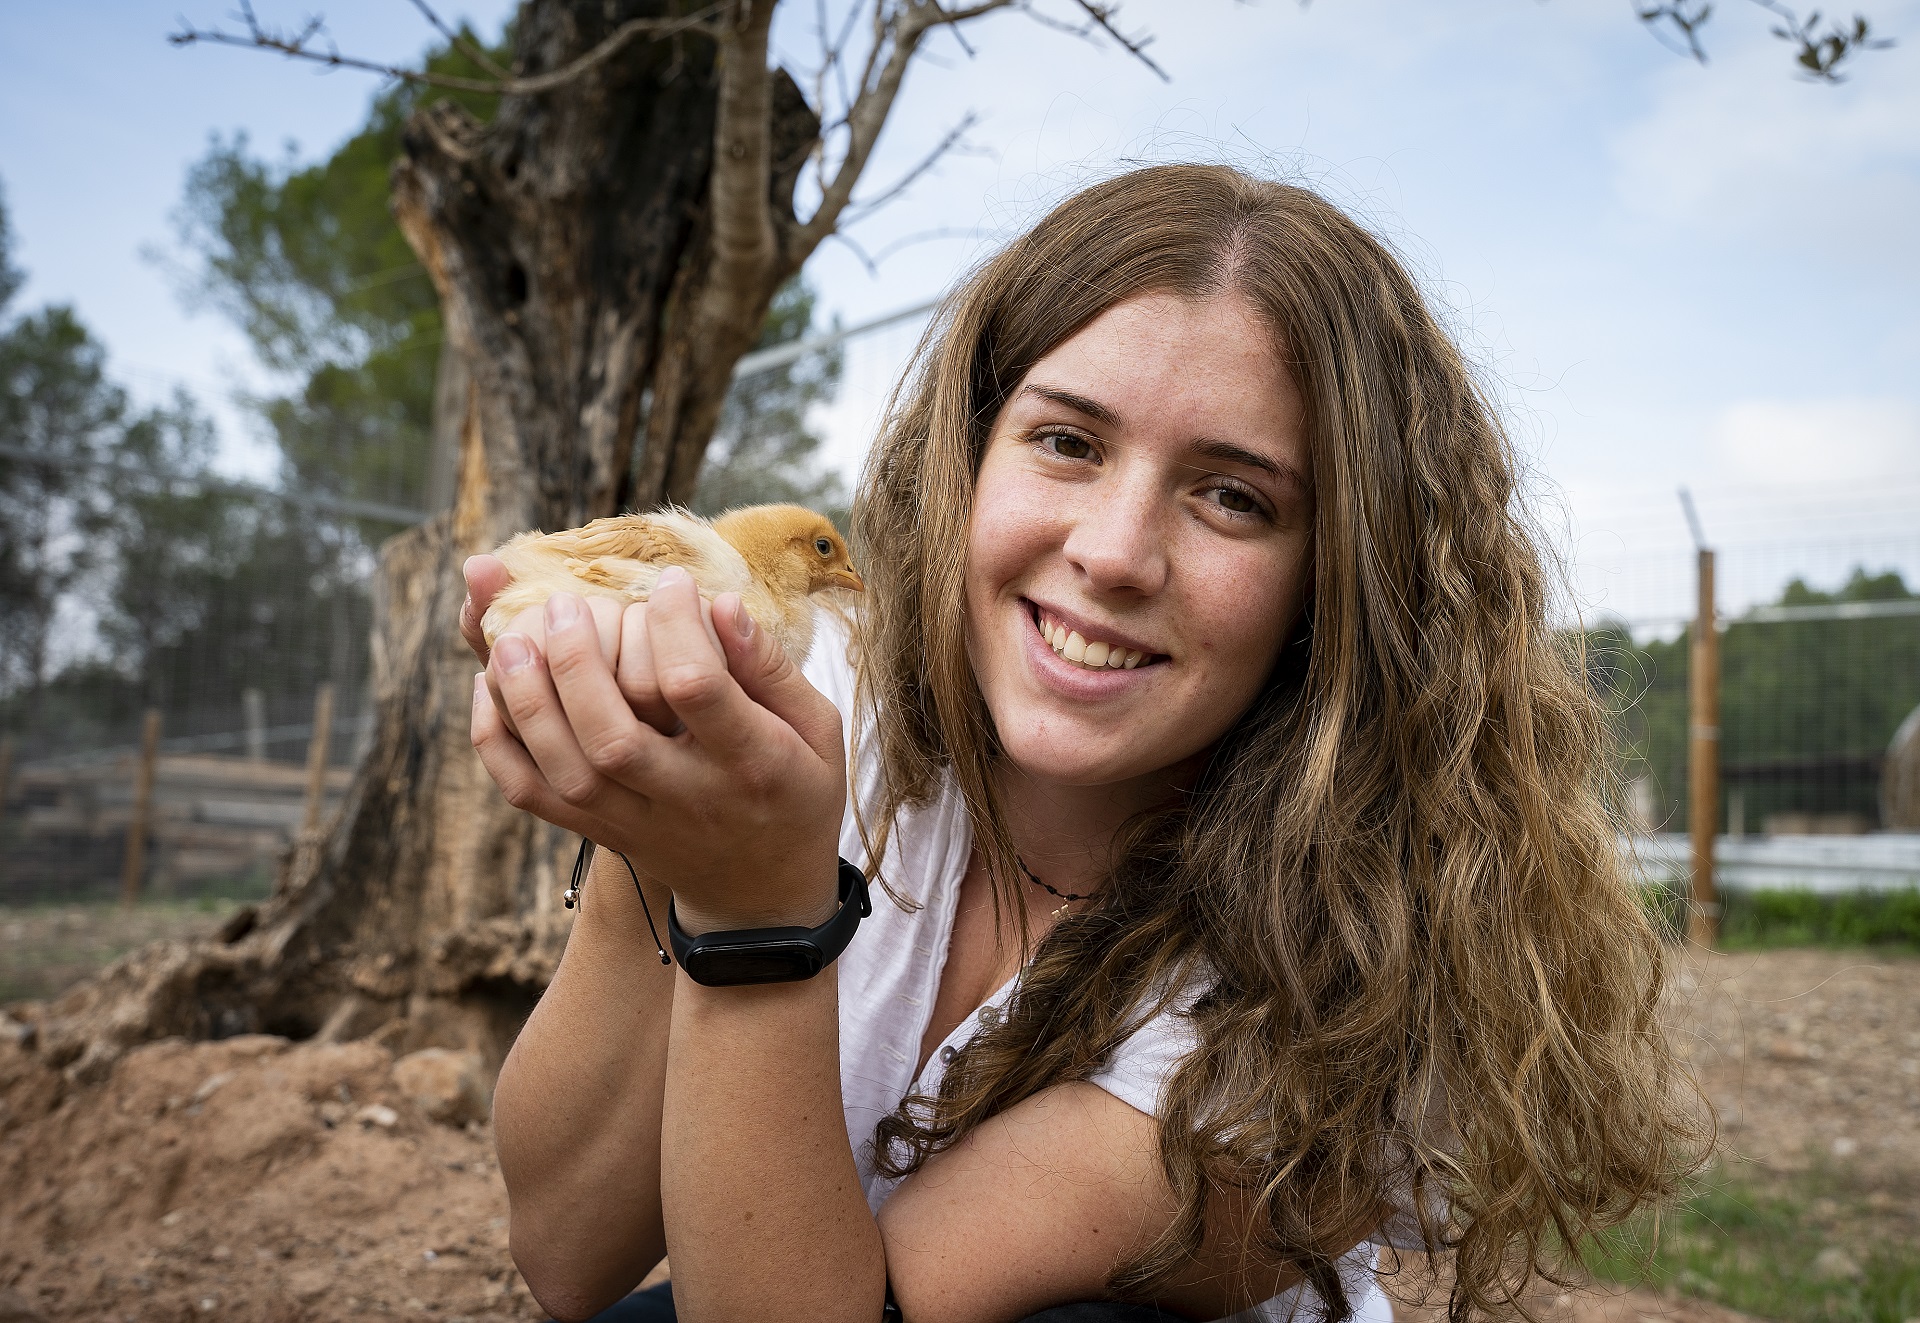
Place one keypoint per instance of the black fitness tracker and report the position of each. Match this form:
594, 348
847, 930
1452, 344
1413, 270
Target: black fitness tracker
772, 955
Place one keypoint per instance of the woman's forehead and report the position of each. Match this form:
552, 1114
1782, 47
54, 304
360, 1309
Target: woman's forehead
1206, 371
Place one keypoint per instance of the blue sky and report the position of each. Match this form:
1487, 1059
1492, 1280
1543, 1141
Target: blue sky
1668, 274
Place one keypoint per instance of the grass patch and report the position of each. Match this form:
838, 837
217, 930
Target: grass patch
1815, 1247
1756, 920
1772, 920
46, 949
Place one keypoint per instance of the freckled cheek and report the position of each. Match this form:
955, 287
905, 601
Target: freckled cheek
1011, 529
1231, 621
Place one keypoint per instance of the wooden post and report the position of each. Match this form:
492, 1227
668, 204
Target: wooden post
317, 756
253, 708
1703, 761
6, 771
133, 869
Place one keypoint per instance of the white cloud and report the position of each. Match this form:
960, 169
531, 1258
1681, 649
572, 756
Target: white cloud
1792, 443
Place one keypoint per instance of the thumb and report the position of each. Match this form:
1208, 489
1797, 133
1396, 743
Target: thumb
762, 668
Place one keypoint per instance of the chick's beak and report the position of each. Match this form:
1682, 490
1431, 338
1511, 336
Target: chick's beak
848, 578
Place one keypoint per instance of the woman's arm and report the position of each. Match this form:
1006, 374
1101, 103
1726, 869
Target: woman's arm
576, 1113
577, 1106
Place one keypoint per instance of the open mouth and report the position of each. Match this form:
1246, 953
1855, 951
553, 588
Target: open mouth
1092, 654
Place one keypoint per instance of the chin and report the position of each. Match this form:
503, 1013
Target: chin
1043, 762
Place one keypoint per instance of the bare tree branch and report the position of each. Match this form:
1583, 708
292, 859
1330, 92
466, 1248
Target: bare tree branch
296, 46
1103, 15
897, 35
471, 49
856, 210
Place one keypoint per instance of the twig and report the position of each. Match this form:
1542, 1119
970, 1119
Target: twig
1101, 14
1820, 54
472, 49
1688, 20
873, 267
858, 209
295, 47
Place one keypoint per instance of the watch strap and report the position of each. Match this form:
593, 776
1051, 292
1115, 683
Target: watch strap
772, 955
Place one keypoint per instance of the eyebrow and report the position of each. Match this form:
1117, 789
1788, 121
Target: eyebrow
1078, 403
1206, 447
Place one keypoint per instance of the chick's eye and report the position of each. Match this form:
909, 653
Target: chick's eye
824, 547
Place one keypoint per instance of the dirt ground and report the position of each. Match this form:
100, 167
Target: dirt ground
255, 1179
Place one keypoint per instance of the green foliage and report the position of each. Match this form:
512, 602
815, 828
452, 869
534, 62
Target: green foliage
308, 262
194, 593
1806, 707
1753, 920
11, 276
58, 414
1806, 1250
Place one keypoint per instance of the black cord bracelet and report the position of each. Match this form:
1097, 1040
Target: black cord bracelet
578, 885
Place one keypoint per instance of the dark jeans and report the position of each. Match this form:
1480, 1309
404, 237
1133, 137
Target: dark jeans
655, 1305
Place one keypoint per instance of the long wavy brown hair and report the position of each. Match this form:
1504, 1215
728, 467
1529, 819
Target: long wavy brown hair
1430, 982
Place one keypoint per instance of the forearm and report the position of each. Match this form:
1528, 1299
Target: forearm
764, 1210
577, 1107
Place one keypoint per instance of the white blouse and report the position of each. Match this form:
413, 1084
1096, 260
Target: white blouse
890, 975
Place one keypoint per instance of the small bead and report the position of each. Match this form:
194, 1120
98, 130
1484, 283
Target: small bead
946, 1055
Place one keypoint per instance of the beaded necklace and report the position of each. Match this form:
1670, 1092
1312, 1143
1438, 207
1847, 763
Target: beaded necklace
1068, 896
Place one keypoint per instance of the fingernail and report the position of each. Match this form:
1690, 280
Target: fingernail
479, 686
743, 622
513, 653
563, 611
672, 574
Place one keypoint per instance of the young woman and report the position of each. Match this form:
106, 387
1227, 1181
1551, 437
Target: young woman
1246, 897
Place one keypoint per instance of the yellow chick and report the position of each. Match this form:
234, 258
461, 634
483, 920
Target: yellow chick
774, 556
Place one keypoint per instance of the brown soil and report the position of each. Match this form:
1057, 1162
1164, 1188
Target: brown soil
253, 1179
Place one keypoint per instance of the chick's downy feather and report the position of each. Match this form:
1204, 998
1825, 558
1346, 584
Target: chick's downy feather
774, 556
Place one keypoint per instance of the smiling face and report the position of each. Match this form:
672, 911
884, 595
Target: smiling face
1146, 488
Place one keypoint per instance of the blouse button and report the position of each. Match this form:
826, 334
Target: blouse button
989, 1016
946, 1055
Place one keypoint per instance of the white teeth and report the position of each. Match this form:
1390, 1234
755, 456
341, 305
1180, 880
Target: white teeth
1098, 654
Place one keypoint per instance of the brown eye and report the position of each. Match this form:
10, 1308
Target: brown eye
824, 547
1068, 446
1237, 501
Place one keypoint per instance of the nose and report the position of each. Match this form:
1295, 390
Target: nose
1117, 539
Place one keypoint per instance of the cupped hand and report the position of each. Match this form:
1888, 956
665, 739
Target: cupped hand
700, 751
622, 640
